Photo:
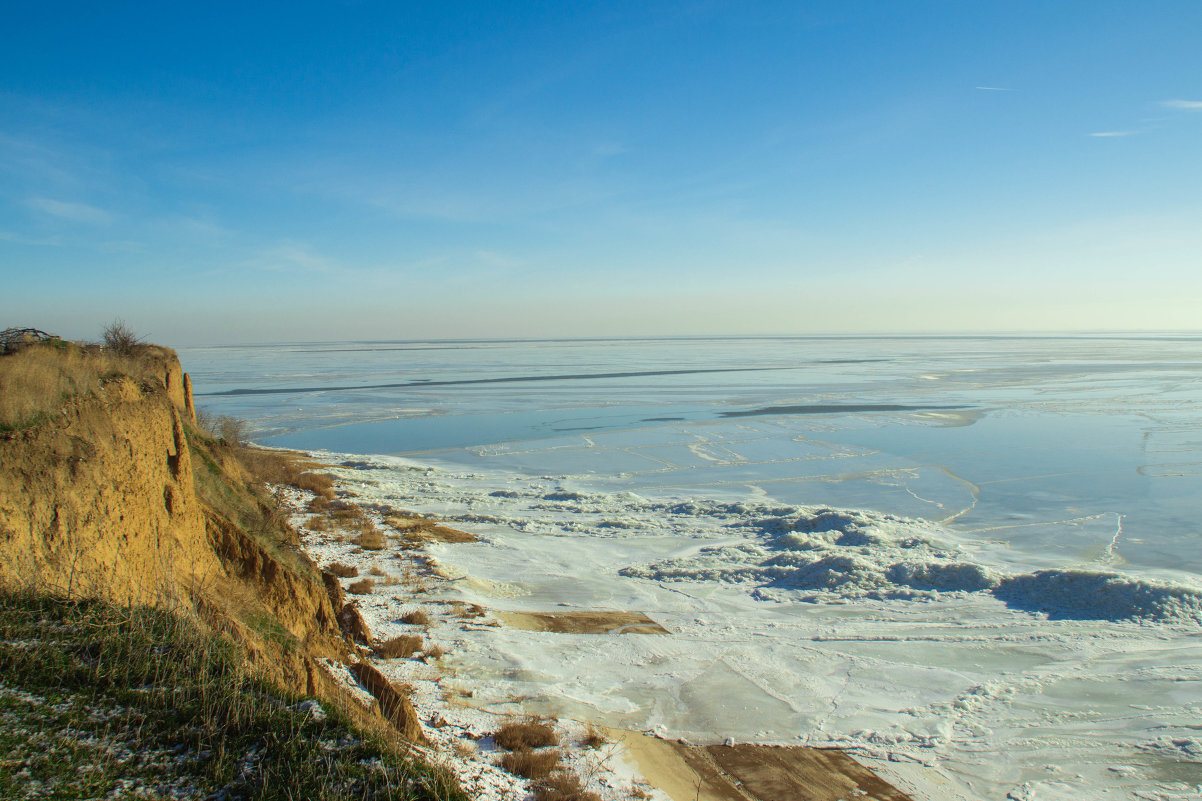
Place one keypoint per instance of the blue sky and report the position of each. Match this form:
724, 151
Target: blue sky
213, 173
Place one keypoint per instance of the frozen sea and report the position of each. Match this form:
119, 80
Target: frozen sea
972, 562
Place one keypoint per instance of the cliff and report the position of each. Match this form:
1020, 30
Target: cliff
110, 490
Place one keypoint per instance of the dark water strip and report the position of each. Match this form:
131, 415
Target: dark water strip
836, 408
508, 380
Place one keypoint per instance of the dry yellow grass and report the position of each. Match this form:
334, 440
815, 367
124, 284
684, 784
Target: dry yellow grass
400, 647
466, 610
288, 467
39, 379
417, 618
531, 764
361, 587
526, 734
371, 540
593, 738
563, 786
342, 571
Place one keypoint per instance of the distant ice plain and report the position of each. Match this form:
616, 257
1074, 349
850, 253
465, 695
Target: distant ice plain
1024, 454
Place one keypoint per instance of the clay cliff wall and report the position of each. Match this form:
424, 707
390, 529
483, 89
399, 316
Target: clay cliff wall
118, 494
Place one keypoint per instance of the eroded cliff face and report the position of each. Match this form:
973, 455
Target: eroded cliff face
119, 495
99, 500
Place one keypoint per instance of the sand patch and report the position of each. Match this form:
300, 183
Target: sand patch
583, 622
752, 772
421, 529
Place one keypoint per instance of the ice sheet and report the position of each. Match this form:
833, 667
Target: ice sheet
916, 645
1006, 606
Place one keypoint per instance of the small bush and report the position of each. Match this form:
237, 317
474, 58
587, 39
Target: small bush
400, 647
342, 571
120, 338
526, 734
563, 786
375, 571
230, 429
418, 618
530, 764
361, 587
433, 652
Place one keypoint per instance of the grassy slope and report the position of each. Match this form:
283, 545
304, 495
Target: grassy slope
101, 701
97, 699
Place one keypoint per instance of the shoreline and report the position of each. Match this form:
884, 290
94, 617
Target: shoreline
922, 729
625, 764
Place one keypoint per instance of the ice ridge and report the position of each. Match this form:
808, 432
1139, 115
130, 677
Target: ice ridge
818, 554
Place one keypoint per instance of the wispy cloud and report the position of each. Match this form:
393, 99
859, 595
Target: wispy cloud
291, 256
9, 236
1184, 105
993, 89
609, 149
492, 258
1114, 133
75, 212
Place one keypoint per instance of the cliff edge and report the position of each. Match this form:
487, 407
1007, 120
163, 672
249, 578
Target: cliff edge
111, 493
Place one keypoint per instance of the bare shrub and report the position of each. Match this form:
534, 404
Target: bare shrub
376, 571
318, 504
119, 338
465, 749
13, 340
434, 652
361, 587
530, 764
342, 571
400, 647
526, 734
417, 618
563, 786
204, 419
230, 429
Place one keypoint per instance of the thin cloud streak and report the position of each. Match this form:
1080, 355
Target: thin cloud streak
75, 212
1184, 105
993, 89
1114, 133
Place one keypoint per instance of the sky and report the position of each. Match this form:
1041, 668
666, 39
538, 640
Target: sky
234, 173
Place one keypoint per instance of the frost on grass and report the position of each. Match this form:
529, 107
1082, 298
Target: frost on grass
97, 702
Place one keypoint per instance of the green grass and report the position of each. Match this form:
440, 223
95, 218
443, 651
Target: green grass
250, 507
100, 701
